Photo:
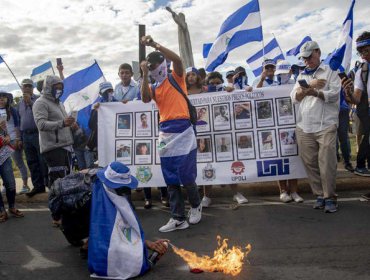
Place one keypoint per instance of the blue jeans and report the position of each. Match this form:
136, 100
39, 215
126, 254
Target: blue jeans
85, 158
177, 203
345, 146
7, 175
35, 161
17, 157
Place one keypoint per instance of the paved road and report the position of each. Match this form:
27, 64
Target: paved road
289, 241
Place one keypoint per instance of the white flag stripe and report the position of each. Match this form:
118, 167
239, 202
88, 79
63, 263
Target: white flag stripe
271, 55
84, 97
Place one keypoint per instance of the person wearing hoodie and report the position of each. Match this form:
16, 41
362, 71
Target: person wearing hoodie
55, 128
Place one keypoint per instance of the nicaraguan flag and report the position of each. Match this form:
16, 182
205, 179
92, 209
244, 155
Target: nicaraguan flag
341, 57
272, 51
116, 240
294, 51
242, 27
1, 59
39, 73
178, 151
81, 90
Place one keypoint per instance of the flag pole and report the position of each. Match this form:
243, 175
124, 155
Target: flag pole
278, 45
11, 72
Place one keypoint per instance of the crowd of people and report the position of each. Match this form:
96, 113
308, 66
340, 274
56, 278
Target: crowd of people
53, 141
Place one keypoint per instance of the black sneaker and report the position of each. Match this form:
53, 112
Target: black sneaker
366, 196
362, 172
148, 204
349, 167
34, 192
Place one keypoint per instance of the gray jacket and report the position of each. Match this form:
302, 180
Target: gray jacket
49, 114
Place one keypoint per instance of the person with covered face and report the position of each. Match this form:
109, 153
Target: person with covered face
55, 127
193, 81
177, 142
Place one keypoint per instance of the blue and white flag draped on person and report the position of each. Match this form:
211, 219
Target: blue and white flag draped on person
177, 147
341, 57
242, 27
40, 72
272, 51
116, 240
81, 90
294, 51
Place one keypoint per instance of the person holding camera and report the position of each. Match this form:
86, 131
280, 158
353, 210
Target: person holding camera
317, 94
177, 142
358, 93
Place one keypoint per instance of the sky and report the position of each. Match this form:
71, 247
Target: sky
79, 31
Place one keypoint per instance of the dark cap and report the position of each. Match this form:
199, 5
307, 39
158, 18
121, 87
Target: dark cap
155, 58
27, 82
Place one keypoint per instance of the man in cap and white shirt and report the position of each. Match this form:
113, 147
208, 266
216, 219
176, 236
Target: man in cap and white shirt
317, 122
267, 76
284, 72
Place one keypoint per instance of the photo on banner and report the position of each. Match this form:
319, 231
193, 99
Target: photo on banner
203, 119
264, 113
288, 142
224, 147
245, 145
221, 117
267, 143
285, 111
143, 151
124, 125
123, 151
242, 115
143, 124
204, 148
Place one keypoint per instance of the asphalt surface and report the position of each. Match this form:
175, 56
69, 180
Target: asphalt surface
289, 241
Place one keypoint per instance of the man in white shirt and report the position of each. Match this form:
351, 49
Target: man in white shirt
127, 89
267, 76
317, 122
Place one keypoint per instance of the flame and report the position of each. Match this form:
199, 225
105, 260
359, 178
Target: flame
228, 261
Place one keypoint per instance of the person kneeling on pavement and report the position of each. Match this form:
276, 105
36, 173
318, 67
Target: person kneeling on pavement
117, 247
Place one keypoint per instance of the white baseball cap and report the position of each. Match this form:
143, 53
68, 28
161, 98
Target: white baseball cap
283, 67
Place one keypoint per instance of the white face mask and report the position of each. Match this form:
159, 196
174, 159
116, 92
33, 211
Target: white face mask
283, 78
160, 73
58, 93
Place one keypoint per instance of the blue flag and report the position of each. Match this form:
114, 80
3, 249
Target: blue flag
206, 49
294, 51
242, 27
81, 90
40, 72
1, 59
341, 57
271, 51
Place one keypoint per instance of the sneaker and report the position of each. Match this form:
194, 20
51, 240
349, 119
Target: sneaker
366, 196
331, 206
296, 197
174, 225
362, 172
206, 201
165, 202
25, 189
285, 197
34, 192
195, 214
239, 198
320, 203
148, 204
349, 167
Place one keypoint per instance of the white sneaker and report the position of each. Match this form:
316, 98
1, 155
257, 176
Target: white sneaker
239, 198
25, 189
296, 197
174, 225
206, 201
285, 197
195, 214
3, 190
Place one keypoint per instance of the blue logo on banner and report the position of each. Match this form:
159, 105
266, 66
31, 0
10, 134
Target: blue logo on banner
273, 167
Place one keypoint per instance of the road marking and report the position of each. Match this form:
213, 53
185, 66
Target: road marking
220, 205
38, 261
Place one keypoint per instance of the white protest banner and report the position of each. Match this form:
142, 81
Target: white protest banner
242, 137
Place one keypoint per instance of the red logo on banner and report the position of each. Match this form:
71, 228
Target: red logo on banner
237, 168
